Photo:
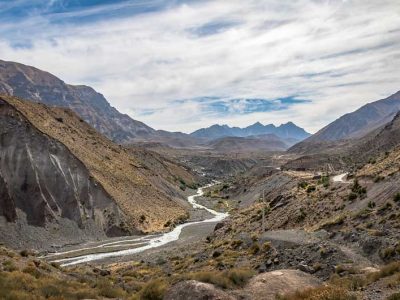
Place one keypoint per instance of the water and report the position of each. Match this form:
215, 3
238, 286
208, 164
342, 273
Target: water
152, 241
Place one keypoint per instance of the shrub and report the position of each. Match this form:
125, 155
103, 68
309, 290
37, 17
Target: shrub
302, 184
107, 289
32, 271
24, 253
254, 249
388, 252
311, 188
325, 181
154, 290
239, 277
266, 246
386, 271
396, 197
352, 196
9, 266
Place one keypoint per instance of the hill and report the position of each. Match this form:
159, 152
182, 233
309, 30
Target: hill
61, 180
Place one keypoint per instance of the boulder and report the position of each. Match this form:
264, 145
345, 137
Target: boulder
195, 290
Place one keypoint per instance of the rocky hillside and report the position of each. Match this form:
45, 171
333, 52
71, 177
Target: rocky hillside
62, 181
285, 131
353, 125
352, 153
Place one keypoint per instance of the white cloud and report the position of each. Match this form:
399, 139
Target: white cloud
338, 54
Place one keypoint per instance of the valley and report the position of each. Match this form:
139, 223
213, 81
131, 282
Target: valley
90, 210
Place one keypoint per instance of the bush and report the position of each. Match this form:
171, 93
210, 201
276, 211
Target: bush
108, 290
154, 290
311, 188
352, 196
9, 266
254, 249
396, 197
302, 185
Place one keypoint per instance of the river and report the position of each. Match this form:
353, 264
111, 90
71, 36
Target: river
138, 244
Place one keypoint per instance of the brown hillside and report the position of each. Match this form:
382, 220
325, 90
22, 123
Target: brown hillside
148, 200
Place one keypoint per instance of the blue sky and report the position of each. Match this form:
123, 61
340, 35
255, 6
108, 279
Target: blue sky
181, 65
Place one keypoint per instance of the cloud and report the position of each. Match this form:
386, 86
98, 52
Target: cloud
180, 65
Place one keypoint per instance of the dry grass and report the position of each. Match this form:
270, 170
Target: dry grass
320, 293
233, 278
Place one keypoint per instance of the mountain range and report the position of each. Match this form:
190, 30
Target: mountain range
284, 131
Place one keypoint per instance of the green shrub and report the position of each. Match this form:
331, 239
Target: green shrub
302, 184
311, 188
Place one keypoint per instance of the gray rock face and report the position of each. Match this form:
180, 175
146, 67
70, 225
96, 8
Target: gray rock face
33, 84
194, 290
46, 189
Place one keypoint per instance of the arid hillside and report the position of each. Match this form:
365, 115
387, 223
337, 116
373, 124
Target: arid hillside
55, 167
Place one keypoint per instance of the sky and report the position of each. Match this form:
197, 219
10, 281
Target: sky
182, 65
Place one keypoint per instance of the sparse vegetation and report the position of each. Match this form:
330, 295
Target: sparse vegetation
227, 279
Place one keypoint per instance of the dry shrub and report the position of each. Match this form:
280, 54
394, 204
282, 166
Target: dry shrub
320, 293
228, 279
154, 290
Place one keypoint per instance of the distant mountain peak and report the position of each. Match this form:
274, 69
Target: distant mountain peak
288, 130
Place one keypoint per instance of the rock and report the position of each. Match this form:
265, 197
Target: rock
102, 272
216, 253
268, 285
262, 268
269, 263
306, 268
194, 290
276, 260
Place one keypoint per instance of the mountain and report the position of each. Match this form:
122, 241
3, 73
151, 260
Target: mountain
63, 182
33, 84
350, 153
288, 130
354, 125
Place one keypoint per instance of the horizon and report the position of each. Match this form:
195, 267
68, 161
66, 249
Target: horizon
186, 65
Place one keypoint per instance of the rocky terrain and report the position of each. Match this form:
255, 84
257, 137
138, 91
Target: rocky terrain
320, 221
61, 182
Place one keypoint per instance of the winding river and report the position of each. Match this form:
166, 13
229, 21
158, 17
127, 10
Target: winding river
139, 244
